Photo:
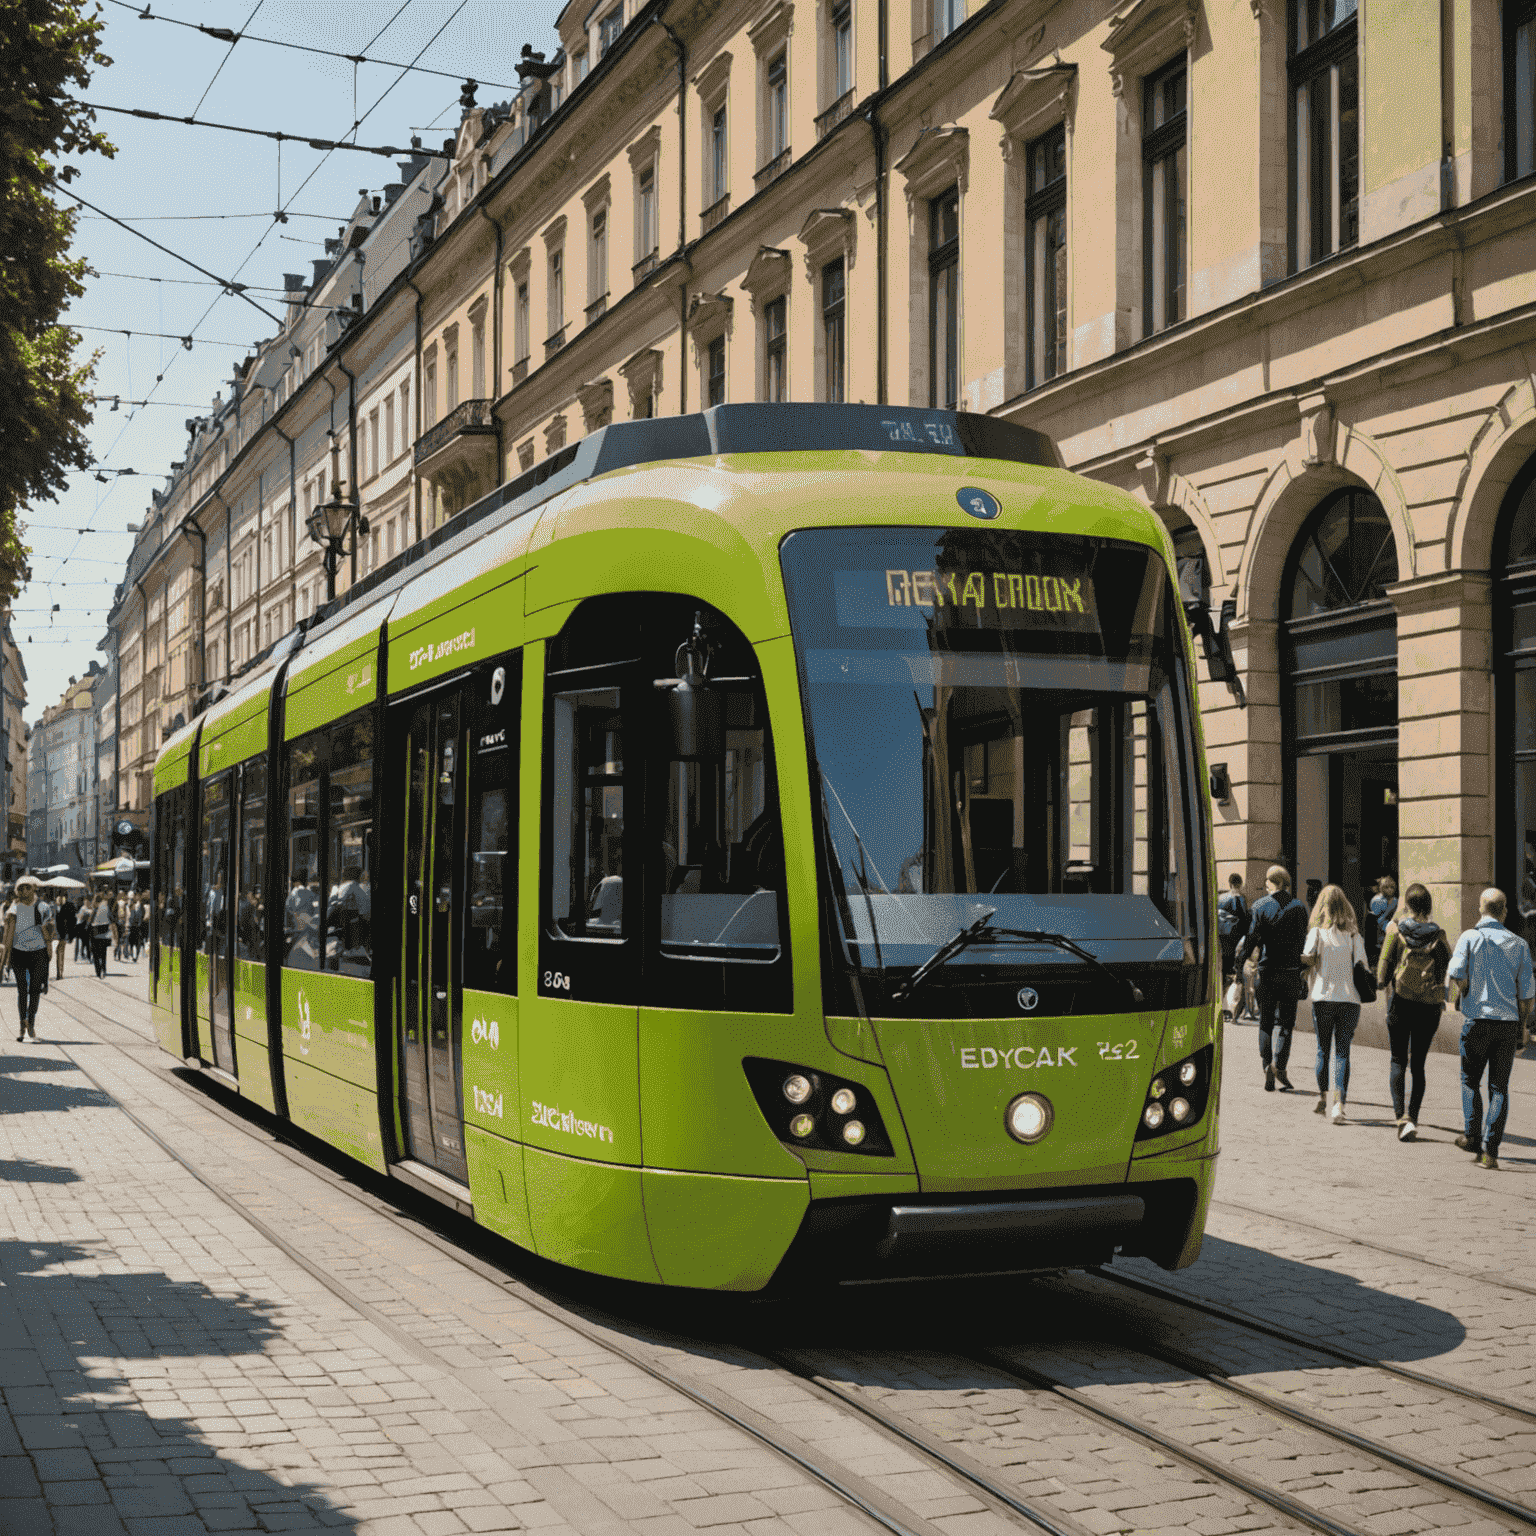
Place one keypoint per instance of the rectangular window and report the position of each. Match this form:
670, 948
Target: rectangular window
842, 49
451, 374
389, 429
1045, 214
719, 183
251, 908
645, 212
429, 391
407, 432
608, 30
716, 370
777, 105
1164, 188
301, 911
588, 820
520, 309
597, 258
490, 948
349, 857
943, 299
373, 441
775, 374
832, 332
556, 292
947, 15
583, 64
477, 359
1325, 129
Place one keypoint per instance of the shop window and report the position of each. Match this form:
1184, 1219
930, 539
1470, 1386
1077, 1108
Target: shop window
1324, 70
1514, 559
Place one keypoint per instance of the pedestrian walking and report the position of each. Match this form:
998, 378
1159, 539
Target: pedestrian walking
101, 933
29, 936
119, 926
1414, 958
1381, 907
64, 925
1492, 971
136, 929
1276, 932
1333, 949
1232, 919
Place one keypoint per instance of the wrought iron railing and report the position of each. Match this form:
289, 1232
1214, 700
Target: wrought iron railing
469, 417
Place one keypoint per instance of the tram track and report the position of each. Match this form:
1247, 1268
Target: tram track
619, 1337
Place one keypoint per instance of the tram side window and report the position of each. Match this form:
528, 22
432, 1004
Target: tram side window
176, 884
349, 850
251, 911
490, 938
301, 910
213, 885
587, 896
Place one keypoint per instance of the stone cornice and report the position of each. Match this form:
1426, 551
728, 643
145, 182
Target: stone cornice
1442, 589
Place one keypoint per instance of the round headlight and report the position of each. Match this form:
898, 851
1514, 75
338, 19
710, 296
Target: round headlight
797, 1089
1188, 1073
843, 1101
802, 1126
1152, 1116
1158, 1088
1029, 1117
853, 1132
1179, 1109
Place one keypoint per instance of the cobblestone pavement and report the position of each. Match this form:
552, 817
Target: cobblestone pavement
172, 1364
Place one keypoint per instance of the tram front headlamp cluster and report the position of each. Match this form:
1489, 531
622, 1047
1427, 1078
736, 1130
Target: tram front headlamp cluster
806, 1108
1166, 1110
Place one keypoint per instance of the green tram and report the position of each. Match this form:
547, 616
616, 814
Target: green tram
759, 844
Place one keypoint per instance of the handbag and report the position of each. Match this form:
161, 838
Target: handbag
1365, 980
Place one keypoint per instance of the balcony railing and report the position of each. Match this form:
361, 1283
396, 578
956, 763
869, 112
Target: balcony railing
834, 114
470, 418
774, 169
554, 343
597, 309
716, 211
519, 370
643, 268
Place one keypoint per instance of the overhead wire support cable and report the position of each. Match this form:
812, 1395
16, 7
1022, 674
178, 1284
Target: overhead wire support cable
231, 36
238, 289
389, 151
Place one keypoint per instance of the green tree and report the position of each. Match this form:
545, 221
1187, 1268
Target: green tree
46, 47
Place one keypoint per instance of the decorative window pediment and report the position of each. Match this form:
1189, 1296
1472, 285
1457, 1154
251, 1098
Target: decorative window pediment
940, 158
644, 150
599, 193
520, 264
1146, 35
711, 80
767, 274
827, 234
596, 402
709, 316
771, 30
1033, 101
554, 236
642, 375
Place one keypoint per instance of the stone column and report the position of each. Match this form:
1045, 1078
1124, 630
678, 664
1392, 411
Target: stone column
1445, 719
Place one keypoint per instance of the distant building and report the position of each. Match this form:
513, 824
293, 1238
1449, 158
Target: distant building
13, 752
62, 825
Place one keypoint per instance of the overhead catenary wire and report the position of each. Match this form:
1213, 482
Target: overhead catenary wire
192, 218
188, 341
230, 36
234, 38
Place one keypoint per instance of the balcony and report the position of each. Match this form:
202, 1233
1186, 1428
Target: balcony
597, 309
643, 268
774, 169
716, 211
470, 418
834, 114
519, 371
554, 344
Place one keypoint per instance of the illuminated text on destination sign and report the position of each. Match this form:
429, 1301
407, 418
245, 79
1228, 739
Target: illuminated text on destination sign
1026, 597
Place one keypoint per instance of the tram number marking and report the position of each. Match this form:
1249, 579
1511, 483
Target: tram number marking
1127, 1050
983, 1056
557, 981
487, 1103
486, 1032
936, 432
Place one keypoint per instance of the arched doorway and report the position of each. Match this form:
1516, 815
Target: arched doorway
1514, 639
1339, 697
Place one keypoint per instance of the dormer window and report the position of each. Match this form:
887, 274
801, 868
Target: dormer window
608, 30
580, 65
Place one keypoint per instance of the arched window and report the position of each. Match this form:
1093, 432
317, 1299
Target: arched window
1339, 697
1514, 565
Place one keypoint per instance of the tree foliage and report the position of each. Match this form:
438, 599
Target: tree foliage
48, 50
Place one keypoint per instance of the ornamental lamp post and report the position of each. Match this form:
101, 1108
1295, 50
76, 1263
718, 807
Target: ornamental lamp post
329, 522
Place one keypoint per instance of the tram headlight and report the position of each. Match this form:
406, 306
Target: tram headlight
843, 1101
1178, 1096
1188, 1072
1152, 1116
802, 1126
853, 1132
1157, 1090
1179, 1109
797, 1088
1029, 1117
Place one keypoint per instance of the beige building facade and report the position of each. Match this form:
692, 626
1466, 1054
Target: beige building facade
1266, 264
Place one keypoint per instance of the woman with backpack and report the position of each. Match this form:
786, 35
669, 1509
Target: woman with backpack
1232, 918
1332, 951
1413, 963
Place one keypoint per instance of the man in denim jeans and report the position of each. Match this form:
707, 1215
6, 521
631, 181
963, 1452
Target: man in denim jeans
1492, 972
1276, 932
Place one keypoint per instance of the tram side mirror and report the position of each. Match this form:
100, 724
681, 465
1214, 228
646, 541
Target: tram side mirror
695, 706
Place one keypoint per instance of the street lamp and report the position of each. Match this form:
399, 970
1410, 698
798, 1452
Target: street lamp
329, 522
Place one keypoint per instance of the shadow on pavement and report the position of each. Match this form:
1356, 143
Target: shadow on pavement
77, 1453
22, 1170
21, 1095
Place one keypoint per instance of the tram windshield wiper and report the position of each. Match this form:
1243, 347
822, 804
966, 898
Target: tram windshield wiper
980, 932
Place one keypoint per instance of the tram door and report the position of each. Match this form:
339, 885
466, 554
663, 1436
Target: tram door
217, 869
429, 1012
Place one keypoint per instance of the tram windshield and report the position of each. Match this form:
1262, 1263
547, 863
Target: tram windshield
1000, 729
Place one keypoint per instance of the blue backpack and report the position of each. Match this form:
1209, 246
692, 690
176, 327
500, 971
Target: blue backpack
1232, 916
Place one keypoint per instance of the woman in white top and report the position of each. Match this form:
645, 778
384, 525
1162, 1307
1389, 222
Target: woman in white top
27, 940
1332, 950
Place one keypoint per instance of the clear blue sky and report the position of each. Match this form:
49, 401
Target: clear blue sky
168, 179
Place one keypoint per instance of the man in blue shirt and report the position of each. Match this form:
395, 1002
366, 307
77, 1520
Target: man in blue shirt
1276, 932
1492, 972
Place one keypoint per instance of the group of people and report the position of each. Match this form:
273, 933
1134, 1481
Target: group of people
37, 935
1323, 956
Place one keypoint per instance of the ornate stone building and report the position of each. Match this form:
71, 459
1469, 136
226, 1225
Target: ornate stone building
1265, 263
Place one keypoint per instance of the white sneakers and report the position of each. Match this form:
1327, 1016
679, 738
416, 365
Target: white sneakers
1336, 1114
1407, 1130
